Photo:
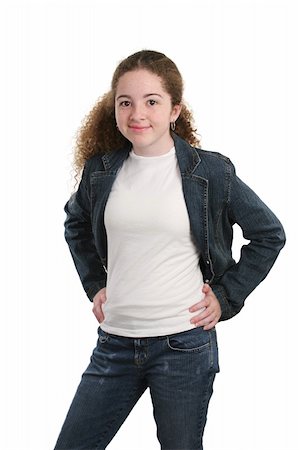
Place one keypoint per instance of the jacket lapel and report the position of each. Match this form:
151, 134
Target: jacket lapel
195, 190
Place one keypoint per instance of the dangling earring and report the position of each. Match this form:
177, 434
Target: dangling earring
172, 126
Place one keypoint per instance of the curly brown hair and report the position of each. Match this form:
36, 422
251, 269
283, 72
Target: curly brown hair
99, 134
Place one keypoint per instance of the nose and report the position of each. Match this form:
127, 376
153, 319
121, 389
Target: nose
137, 113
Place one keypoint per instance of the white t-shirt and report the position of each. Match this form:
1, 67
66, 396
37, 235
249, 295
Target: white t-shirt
153, 273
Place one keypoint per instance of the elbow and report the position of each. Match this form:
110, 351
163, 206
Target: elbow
281, 237
272, 242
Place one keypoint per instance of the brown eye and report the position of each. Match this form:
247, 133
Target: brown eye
152, 102
125, 103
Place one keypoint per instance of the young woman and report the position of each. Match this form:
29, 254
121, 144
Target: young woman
150, 232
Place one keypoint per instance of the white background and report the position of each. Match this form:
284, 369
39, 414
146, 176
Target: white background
239, 60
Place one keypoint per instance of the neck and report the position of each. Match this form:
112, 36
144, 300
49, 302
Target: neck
158, 151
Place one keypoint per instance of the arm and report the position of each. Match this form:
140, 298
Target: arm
266, 235
79, 236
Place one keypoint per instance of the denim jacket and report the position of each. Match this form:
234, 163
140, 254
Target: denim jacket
215, 198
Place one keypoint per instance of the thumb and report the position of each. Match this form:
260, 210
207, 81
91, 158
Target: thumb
206, 288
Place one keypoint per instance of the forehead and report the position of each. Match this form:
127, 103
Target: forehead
139, 81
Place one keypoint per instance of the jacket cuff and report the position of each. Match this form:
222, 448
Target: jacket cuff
94, 289
226, 308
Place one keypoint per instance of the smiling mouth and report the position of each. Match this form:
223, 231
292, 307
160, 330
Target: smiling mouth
138, 128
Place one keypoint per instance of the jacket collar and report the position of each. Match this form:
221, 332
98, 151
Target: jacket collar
188, 157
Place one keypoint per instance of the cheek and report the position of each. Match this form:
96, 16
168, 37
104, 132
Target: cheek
158, 117
163, 115
120, 116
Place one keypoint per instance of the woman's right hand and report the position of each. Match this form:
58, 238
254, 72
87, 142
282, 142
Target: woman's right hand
98, 299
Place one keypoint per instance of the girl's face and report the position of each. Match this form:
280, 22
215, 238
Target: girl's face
143, 112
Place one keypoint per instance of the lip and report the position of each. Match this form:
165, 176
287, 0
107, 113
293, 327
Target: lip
136, 128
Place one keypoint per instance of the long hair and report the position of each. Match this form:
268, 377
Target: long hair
99, 134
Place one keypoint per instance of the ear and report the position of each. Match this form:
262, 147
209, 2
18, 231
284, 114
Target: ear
176, 111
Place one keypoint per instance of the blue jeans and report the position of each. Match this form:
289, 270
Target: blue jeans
179, 370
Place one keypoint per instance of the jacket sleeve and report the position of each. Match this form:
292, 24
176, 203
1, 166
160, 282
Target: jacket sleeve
80, 239
266, 238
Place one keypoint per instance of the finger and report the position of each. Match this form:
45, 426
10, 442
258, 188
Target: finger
203, 315
206, 289
206, 321
202, 304
98, 313
212, 323
210, 326
205, 303
100, 317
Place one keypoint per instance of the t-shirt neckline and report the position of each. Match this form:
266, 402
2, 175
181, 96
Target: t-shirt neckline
141, 157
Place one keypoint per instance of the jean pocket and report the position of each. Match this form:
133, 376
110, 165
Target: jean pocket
191, 341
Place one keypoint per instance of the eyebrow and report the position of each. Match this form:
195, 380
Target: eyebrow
128, 96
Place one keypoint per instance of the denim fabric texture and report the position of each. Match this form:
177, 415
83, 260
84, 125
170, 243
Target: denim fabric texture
179, 370
215, 198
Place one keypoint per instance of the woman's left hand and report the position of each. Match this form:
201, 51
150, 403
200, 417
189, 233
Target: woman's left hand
211, 315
